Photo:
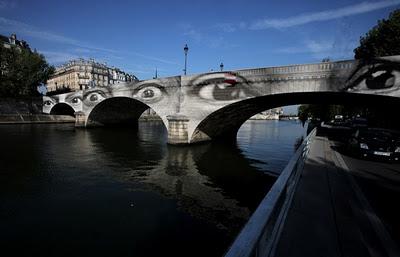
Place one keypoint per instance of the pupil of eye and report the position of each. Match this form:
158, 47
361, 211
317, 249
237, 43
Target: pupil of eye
380, 80
75, 100
93, 98
148, 93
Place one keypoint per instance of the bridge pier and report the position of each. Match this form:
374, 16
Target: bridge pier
178, 129
80, 119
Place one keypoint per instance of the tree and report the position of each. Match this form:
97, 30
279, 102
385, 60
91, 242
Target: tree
326, 112
22, 71
381, 40
315, 111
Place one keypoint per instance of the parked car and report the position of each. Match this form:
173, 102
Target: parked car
396, 154
339, 118
376, 143
337, 121
359, 122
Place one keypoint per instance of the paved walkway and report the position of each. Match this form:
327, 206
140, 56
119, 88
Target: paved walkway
327, 217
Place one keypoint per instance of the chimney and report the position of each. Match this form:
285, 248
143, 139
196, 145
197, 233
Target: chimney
13, 39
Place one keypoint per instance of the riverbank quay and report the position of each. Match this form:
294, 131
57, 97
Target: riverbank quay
35, 118
328, 215
28, 111
28, 105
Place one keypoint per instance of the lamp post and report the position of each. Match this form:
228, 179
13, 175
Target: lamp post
221, 66
185, 49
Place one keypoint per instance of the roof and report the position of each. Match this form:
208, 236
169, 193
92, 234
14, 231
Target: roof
4, 39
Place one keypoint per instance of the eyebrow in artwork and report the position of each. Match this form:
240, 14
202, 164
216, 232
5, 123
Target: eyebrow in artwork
151, 84
52, 99
103, 91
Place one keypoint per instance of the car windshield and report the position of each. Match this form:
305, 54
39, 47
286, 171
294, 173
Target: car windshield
360, 121
375, 134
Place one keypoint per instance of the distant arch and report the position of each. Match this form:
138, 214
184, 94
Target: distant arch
62, 109
116, 111
224, 123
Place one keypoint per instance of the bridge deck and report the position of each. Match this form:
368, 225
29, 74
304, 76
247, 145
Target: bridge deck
327, 216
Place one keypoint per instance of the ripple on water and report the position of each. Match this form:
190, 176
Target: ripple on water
124, 192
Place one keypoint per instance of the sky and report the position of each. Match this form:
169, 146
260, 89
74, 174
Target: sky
142, 36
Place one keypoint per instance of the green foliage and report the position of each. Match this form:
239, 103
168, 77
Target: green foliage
314, 111
381, 40
22, 71
328, 112
303, 113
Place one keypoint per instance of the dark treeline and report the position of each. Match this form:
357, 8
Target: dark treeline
22, 71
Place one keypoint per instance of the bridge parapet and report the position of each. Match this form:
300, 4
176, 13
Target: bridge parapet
300, 68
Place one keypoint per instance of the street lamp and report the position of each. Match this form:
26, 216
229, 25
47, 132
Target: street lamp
185, 49
221, 66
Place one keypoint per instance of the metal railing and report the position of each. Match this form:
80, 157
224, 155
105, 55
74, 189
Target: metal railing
260, 235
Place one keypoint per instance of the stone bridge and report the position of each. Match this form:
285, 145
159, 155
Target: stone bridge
214, 105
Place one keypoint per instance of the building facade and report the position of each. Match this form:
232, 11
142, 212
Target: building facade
272, 114
83, 74
12, 41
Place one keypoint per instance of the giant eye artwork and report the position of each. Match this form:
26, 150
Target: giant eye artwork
93, 97
216, 87
48, 103
381, 76
75, 100
149, 93
381, 79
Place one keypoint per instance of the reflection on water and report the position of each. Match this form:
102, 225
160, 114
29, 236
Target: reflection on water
117, 192
270, 143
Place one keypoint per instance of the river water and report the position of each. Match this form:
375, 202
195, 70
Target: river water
121, 192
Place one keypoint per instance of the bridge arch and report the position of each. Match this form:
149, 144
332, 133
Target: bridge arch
224, 123
62, 109
117, 111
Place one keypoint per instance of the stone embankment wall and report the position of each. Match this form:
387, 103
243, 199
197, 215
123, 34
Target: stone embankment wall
21, 105
35, 118
27, 110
